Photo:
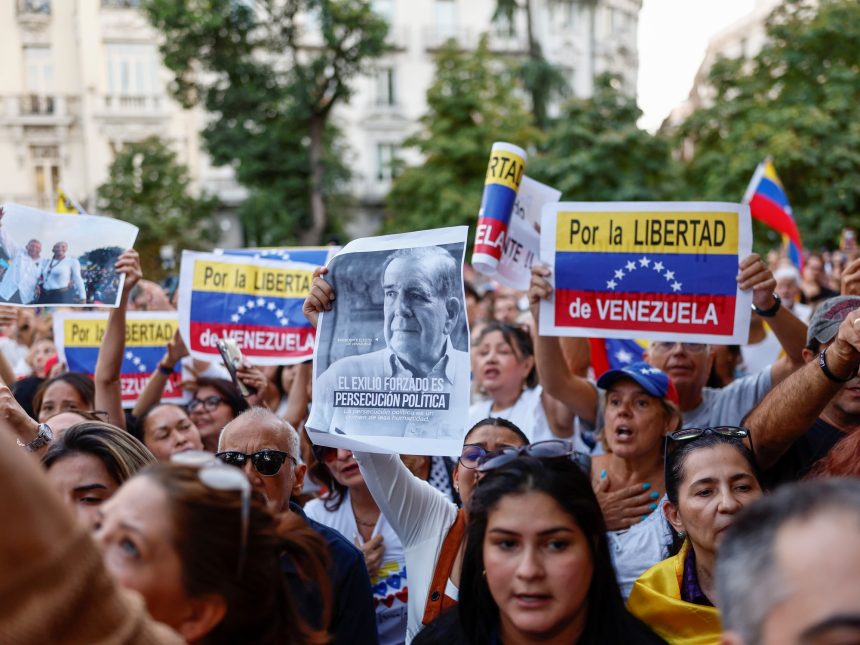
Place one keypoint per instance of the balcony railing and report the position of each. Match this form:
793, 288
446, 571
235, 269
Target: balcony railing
35, 105
133, 102
34, 7
121, 4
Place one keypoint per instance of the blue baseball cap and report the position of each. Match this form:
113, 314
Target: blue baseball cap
653, 380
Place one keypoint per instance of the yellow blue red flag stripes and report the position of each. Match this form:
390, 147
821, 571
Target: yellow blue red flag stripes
769, 204
79, 337
656, 271
256, 302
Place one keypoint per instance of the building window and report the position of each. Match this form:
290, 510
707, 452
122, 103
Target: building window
39, 78
45, 162
386, 161
385, 86
34, 6
446, 19
132, 71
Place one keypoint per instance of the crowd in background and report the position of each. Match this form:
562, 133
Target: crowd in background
655, 502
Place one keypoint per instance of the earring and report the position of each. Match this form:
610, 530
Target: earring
682, 534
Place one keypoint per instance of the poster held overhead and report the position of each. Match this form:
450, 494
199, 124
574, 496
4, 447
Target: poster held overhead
650, 270
391, 362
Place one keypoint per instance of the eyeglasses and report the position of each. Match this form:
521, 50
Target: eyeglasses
690, 348
210, 403
675, 439
550, 449
218, 476
325, 454
266, 462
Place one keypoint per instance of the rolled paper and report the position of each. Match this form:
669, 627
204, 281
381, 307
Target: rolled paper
504, 174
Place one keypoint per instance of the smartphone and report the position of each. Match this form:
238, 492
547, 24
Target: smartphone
233, 359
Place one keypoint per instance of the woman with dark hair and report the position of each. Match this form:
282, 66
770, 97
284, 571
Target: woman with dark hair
166, 429
536, 567
348, 507
89, 461
710, 476
504, 366
215, 403
66, 391
205, 555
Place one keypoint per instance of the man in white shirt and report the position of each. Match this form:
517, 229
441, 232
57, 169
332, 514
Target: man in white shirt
60, 280
19, 281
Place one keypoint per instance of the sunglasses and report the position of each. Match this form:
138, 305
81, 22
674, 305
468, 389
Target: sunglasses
210, 403
218, 476
325, 454
674, 440
266, 462
550, 449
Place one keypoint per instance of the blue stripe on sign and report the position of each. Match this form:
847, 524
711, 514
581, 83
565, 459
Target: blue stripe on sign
216, 307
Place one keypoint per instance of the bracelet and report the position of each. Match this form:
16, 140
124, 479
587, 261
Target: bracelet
43, 437
822, 363
163, 369
770, 312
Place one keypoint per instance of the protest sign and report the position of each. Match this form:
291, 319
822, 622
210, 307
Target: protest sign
52, 259
78, 337
657, 271
316, 255
391, 362
256, 302
522, 243
501, 183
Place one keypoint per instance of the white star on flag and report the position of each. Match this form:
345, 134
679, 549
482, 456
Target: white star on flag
644, 261
241, 310
235, 317
676, 286
611, 284
261, 302
658, 266
129, 355
270, 306
623, 356
669, 275
250, 304
619, 274
631, 266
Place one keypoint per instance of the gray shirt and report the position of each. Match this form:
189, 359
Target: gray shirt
727, 406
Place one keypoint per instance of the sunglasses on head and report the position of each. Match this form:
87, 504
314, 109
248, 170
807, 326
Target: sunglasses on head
674, 440
483, 461
266, 462
210, 403
218, 476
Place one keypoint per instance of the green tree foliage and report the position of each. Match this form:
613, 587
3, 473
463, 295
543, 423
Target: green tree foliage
473, 101
271, 86
797, 100
147, 187
595, 151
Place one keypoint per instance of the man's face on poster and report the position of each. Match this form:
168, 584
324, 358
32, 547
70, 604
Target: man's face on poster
34, 248
418, 319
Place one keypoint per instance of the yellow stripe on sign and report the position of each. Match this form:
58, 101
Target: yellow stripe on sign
222, 277
83, 333
506, 169
138, 333
712, 233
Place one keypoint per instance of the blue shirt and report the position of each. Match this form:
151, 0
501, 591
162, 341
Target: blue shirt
353, 616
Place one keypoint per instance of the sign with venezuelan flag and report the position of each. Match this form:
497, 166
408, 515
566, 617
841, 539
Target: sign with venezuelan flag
316, 255
78, 337
651, 270
256, 302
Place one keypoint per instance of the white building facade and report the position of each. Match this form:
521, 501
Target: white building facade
80, 78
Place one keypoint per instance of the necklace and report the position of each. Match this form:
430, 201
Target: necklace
360, 522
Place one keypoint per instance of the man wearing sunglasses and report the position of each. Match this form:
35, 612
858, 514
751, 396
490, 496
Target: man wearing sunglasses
805, 416
267, 448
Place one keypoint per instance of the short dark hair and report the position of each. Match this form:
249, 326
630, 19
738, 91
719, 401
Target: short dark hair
746, 563
518, 338
502, 423
608, 621
227, 391
80, 382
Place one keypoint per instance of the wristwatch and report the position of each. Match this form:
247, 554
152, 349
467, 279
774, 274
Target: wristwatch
772, 310
44, 436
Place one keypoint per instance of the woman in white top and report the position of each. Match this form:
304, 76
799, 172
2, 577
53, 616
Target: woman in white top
504, 366
60, 280
349, 508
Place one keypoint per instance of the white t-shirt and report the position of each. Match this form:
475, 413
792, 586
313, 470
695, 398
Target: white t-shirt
390, 592
637, 549
527, 414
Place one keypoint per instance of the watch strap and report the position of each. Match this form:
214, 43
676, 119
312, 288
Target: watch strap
822, 363
771, 311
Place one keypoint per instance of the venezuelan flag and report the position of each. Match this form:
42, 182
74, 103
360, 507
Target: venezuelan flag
79, 338
256, 302
614, 353
316, 255
662, 271
768, 203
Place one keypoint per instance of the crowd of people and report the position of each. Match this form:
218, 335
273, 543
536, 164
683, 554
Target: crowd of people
693, 494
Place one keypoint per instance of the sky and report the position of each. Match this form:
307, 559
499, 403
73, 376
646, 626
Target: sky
673, 35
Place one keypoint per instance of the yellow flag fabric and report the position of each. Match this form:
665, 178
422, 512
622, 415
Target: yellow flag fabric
656, 601
65, 205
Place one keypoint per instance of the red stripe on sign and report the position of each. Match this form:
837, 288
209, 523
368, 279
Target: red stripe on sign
254, 340
490, 237
132, 386
686, 314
